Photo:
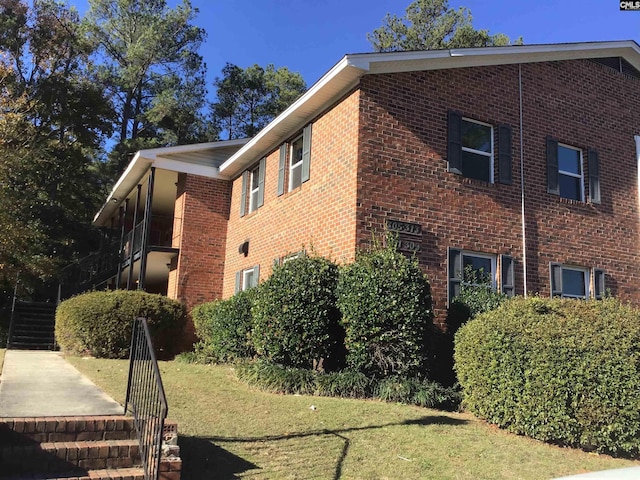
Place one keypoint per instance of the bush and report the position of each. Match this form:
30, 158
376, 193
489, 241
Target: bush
295, 319
224, 328
562, 371
346, 384
385, 301
99, 323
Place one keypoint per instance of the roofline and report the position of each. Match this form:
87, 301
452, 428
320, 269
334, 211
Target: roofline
346, 74
144, 159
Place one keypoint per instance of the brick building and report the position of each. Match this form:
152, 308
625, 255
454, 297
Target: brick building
520, 160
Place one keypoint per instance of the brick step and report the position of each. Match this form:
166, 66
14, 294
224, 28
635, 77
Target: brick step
66, 429
103, 474
77, 456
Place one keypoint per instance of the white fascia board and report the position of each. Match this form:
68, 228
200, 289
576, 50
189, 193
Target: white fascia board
337, 81
136, 169
185, 167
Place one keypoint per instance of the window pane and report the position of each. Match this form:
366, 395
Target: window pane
569, 160
570, 187
296, 177
296, 151
476, 136
476, 166
573, 283
481, 266
247, 281
255, 178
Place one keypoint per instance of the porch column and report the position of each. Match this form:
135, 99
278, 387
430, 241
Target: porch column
146, 225
123, 216
133, 237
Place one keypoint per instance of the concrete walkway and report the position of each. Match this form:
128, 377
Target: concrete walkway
43, 384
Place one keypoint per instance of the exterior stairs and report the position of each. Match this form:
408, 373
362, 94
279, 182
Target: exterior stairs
33, 326
79, 448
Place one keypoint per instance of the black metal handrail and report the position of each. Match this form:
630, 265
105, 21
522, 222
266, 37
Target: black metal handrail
145, 398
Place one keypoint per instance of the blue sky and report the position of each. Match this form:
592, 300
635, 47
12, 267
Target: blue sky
310, 36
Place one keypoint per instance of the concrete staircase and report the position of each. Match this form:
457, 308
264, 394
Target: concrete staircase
33, 326
79, 448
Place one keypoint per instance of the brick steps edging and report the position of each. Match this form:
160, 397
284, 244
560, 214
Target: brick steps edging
67, 429
103, 474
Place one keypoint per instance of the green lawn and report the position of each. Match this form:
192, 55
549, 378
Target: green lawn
227, 430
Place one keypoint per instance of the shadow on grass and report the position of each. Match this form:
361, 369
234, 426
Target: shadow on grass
202, 458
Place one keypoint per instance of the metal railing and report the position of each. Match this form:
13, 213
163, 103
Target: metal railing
145, 398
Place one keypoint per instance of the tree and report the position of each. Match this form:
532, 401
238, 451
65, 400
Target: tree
248, 99
432, 25
53, 117
151, 66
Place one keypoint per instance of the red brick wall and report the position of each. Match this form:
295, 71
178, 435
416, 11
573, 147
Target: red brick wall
199, 231
403, 175
319, 216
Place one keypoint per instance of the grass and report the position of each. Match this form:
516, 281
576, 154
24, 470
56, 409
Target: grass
227, 431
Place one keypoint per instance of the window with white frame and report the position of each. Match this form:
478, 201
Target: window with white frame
570, 177
477, 150
254, 189
569, 281
473, 268
247, 278
565, 172
295, 163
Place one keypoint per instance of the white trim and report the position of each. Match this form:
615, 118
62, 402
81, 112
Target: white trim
245, 273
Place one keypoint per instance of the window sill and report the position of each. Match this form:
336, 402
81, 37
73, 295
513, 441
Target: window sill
473, 181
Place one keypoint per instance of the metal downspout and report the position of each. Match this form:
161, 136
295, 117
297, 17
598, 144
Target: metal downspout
522, 198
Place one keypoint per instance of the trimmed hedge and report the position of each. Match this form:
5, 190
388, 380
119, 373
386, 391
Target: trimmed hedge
295, 319
99, 323
561, 371
385, 301
224, 328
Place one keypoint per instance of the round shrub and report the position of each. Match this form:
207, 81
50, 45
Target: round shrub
561, 371
99, 323
385, 301
224, 328
295, 319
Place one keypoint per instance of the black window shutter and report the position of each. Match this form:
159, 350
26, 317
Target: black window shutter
507, 276
261, 173
455, 273
598, 284
306, 152
555, 271
256, 275
276, 262
594, 176
553, 185
281, 166
243, 194
454, 141
238, 281
504, 154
